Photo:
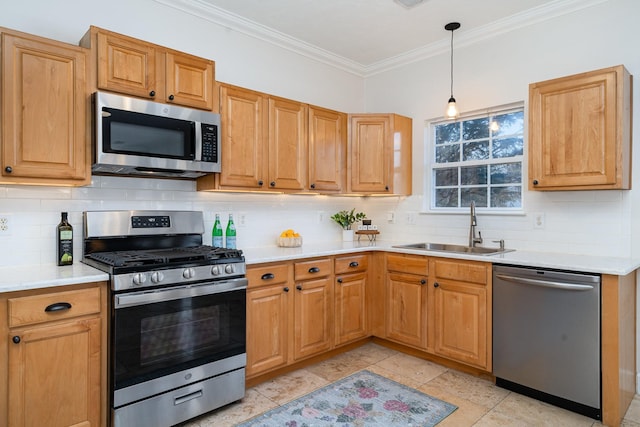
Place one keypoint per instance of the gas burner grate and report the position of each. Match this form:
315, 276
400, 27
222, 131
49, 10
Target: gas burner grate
190, 254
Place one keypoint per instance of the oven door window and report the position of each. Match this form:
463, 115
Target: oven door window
126, 132
153, 340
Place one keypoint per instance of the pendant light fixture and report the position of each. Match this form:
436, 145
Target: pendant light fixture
452, 109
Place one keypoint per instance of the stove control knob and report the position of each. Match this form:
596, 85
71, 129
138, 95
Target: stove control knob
215, 270
228, 268
188, 273
139, 278
157, 277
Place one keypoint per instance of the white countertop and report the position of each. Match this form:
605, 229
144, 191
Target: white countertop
50, 275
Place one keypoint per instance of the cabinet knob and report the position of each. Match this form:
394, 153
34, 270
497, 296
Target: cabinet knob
260, 183
268, 276
535, 182
286, 289
435, 285
339, 280
386, 188
422, 282
299, 287
152, 93
272, 183
312, 186
8, 169
16, 339
171, 97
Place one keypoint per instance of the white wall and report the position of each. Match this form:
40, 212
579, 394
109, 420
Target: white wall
492, 72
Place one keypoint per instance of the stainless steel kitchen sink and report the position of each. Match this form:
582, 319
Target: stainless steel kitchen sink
446, 247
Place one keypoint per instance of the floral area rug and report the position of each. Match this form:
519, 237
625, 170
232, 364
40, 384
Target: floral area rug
362, 399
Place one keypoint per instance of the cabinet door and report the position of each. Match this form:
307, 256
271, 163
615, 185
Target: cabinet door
128, 66
369, 166
313, 313
579, 131
267, 322
189, 80
327, 149
460, 312
287, 144
244, 126
406, 309
54, 375
350, 307
44, 110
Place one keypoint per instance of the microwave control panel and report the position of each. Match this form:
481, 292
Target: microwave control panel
209, 143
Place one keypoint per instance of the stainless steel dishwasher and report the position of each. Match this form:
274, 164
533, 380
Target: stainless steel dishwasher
546, 336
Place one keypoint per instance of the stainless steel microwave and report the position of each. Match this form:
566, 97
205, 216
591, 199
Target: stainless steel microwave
145, 138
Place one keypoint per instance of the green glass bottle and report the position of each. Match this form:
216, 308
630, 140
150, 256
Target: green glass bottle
231, 233
216, 233
64, 240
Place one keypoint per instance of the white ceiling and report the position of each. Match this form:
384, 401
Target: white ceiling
369, 36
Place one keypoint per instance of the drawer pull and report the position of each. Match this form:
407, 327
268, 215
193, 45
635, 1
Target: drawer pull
314, 270
268, 276
58, 306
354, 264
16, 339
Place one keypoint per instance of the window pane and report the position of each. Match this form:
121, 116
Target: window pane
506, 173
509, 124
447, 133
446, 177
476, 150
506, 197
473, 175
448, 153
477, 194
507, 147
475, 129
447, 197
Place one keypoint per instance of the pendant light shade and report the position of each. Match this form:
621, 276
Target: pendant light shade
452, 109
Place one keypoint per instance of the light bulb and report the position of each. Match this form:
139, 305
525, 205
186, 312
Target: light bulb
452, 109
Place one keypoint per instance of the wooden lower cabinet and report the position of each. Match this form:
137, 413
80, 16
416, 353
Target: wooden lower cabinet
460, 308
56, 369
350, 298
406, 296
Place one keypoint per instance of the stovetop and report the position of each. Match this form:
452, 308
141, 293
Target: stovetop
202, 255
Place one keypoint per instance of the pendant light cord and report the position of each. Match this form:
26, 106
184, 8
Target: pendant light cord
452, 63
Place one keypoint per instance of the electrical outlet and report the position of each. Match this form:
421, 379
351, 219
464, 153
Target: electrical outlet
391, 217
411, 218
538, 220
242, 220
321, 217
5, 225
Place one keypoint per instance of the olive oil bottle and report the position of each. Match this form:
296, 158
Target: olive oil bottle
64, 238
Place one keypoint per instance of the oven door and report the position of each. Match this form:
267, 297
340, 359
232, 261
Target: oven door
166, 338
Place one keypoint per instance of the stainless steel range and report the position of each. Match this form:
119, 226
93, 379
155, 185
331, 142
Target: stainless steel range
178, 315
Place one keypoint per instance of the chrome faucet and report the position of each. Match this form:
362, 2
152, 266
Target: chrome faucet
472, 228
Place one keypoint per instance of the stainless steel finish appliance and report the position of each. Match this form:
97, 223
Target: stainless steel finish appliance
177, 340
138, 137
546, 336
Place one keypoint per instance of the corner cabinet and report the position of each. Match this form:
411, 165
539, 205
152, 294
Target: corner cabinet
43, 142
138, 68
55, 365
380, 154
580, 131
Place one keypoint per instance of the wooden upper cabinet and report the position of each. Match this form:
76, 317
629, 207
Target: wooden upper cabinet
327, 150
580, 131
45, 103
287, 144
380, 154
138, 68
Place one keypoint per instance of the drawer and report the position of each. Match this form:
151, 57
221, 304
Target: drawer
351, 264
413, 264
463, 271
312, 269
268, 275
52, 306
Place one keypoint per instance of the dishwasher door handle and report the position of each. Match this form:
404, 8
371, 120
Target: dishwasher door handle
545, 283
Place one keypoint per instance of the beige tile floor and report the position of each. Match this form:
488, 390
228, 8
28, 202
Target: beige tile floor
480, 403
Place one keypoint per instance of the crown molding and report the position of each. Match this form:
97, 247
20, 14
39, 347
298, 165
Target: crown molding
219, 16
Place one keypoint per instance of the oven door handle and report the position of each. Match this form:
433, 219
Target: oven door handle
178, 292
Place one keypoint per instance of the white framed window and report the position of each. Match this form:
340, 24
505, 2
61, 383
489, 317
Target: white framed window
477, 157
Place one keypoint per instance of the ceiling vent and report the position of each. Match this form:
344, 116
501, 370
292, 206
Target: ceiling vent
409, 3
